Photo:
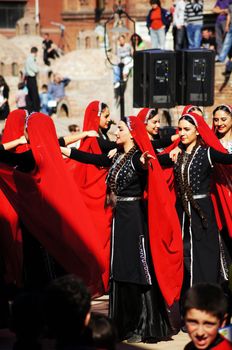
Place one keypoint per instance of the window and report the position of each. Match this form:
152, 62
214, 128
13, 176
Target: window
10, 13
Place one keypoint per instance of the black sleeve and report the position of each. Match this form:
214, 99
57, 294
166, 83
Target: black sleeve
161, 143
106, 145
89, 158
219, 157
1, 148
61, 141
165, 160
23, 160
137, 163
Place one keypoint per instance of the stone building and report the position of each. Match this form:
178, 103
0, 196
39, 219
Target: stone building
70, 23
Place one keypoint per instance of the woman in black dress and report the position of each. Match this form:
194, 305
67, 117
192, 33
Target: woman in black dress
193, 170
136, 303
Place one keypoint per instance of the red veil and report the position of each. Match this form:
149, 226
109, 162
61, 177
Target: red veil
164, 227
91, 181
168, 172
222, 191
11, 239
51, 206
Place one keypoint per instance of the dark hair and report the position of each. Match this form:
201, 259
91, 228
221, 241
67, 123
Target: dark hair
21, 85
152, 113
155, 2
72, 127
2, 81
104, 333
134, 37
44, 86
223, 108
195, 109
34, 49
103, 106
184, 189
67, 303
206, 297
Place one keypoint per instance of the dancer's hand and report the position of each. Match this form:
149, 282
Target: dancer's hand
174, 154
112, 153
145, 159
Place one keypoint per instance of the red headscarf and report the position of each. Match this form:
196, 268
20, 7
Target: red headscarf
187, 109
51, 207
91, 181
164, 227
222, 192
11, 238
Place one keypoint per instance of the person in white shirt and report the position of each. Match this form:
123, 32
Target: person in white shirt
179, 31
31, 71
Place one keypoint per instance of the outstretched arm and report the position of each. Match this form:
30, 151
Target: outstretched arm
12, 144
87, 158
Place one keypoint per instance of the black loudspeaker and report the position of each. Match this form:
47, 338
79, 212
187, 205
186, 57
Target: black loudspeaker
154, 79
195, 77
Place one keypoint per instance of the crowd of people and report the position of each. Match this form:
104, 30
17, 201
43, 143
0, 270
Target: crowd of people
141, 217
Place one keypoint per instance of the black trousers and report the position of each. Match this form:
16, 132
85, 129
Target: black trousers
32, 99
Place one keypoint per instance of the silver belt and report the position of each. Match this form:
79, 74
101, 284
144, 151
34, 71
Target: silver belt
200, 196
127, 199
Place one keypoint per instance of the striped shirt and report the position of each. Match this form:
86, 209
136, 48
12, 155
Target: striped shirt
194, 12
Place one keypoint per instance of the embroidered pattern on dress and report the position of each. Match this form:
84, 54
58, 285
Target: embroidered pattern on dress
143, 258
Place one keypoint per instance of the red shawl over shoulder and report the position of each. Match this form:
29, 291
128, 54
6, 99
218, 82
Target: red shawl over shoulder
51, 206
91, 182
11, 239
163, 223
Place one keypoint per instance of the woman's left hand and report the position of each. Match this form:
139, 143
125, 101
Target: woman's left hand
145, 158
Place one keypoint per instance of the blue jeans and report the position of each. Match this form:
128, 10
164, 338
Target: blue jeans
194, 35
158, 38
226, 46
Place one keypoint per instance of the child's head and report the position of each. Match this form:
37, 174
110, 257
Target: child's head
103, 331
44, 88
21, 86
205, 310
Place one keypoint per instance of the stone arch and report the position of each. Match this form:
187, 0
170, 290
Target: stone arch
87, 42
15, 69
27, 29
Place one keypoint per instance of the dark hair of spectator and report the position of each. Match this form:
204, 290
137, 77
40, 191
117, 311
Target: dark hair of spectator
104, 333
155, 2
21, 85
72, 128
2, 81
134, 37
206, 297
34, 49
44, 86
67, 303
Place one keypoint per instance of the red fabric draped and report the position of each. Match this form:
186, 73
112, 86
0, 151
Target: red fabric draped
168, 172
91, 182
11, 237
51, 206
222, 185
164, 227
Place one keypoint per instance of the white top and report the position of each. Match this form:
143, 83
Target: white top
178, 15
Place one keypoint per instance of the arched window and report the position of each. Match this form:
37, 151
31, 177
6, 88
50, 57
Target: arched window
15, 69
87, 42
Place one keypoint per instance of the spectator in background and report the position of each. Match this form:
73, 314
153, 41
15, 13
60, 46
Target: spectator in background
227, 45
194, 21
48, 50
74, 129
4, 96
20, 97
57, 88
45, 97
221, 9
137, 42
208, 40
124, 55
179, 32
31, 71
157, 20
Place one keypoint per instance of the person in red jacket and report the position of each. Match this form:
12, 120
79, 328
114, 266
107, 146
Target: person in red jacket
205, 311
